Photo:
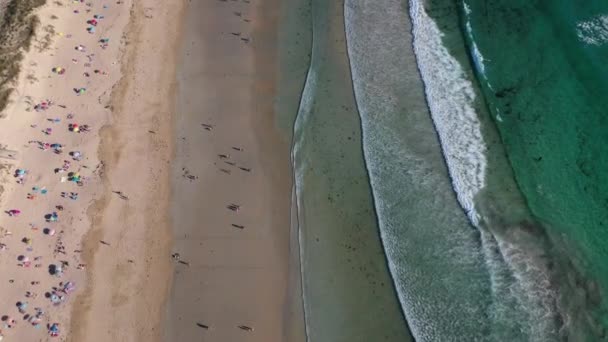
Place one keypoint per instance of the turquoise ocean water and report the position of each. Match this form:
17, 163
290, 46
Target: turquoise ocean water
449, 165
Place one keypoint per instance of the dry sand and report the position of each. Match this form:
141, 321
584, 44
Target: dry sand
127, 280
60, 32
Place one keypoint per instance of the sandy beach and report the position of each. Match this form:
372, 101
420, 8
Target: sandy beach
132, 213
232, 181
115, 159
85, 233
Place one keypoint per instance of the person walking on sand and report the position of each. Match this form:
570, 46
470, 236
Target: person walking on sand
13, 212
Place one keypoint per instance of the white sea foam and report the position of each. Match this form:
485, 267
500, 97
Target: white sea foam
478, 59
506, 277
299, 164
427, 239
593, 31
451, 100
477, 56
498, 117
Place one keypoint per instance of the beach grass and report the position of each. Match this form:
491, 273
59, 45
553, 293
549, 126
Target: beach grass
17, 27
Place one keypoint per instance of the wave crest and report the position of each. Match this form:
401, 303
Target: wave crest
594, 31
451, 99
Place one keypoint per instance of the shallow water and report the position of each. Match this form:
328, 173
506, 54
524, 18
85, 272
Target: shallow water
348, 292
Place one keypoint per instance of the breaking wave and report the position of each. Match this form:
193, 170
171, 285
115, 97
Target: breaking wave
451, 98
594, 31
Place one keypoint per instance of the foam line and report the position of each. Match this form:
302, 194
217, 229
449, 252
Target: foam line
451, 99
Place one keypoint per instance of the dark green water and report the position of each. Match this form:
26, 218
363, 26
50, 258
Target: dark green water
546, 80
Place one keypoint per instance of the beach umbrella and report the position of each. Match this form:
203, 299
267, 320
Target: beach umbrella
54, 330
54, 299
75, 177
22, 306
51, 217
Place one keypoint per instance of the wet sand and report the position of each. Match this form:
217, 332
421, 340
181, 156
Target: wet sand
229, 152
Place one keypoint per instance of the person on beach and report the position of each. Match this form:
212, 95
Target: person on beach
22, 306
76, 155
13, 212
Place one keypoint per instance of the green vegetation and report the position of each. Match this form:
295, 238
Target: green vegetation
17, 27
